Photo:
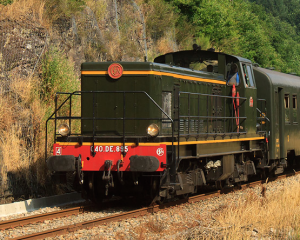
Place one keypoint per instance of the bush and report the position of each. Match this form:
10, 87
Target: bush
57, 74
5, 2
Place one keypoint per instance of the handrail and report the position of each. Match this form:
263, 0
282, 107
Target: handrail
189, 116
213, 95
79, 93
208, 117
263, 116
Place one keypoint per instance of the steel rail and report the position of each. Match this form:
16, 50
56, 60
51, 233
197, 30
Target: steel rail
86, 224
42, 217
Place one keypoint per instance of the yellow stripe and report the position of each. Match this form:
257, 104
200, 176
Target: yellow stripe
214, 141
93, 72
164, 143
157, 73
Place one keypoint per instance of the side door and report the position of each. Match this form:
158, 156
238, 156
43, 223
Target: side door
249, 91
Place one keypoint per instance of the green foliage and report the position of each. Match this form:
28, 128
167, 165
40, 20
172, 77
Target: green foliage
57, 74
285, 10
5, 2
186, 7
245, 28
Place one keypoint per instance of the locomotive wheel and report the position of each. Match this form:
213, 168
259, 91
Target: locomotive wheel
154, 188
263, 174
184, 196
96, 192
154, 191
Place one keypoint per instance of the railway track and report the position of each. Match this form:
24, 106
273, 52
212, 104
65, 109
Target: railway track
18, 222
116, 217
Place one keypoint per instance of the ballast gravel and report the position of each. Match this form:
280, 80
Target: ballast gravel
186, 221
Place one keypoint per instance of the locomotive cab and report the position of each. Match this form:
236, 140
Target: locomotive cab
247, 89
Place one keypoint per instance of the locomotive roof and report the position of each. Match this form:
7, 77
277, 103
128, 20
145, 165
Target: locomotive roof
183, 58
280, 79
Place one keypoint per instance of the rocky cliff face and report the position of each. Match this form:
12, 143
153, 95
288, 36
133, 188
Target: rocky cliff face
23, 43
108, 30
21, 46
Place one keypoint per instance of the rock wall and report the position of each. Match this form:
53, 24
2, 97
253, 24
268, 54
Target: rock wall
21, 46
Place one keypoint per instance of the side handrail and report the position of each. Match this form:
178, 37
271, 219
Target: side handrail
55, 114
263, 116
210, 117
205, 117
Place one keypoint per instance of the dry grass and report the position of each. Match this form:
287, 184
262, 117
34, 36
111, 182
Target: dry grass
22, 8
265, 213
98, 7
277, 215
113, 46
21, 135
166, 44
24, 112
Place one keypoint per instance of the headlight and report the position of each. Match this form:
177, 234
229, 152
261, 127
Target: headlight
64, 129
153, 130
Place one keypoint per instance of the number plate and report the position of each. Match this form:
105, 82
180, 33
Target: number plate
110, 149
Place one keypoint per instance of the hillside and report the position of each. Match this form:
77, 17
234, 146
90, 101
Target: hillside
43, 43
249, 29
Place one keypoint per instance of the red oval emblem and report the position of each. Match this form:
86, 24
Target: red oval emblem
115, 70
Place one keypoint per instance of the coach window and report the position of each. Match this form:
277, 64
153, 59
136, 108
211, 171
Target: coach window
295, 121
287, 107
286, 100
247, 71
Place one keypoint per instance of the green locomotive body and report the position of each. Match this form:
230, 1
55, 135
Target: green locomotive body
170, 130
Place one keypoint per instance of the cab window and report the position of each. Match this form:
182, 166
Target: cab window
247, 72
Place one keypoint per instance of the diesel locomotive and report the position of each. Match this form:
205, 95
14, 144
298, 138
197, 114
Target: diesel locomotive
163, 129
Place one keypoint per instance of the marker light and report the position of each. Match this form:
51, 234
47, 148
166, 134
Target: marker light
153, 130
64, 129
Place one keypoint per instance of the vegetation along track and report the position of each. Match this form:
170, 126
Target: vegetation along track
116, 217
